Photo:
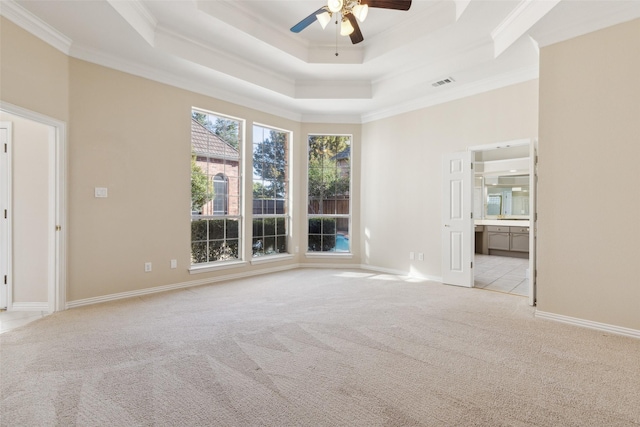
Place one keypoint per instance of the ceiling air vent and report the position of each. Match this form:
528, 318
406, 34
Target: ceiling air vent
443, 82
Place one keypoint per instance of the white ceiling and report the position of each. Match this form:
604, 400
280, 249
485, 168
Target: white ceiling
242, 51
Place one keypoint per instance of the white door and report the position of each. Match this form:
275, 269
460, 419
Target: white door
5, 229
457, 221
533, 217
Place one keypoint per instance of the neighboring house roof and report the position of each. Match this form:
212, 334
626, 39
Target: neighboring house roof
344, 154
208, 144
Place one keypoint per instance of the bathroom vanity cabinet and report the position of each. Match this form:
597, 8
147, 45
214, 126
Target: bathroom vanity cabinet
502, 240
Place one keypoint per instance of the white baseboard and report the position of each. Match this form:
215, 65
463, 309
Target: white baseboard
209, 280
30, 306
189, 284
634, 333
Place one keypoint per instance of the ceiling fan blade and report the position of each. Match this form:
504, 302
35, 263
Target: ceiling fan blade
356, 36
389, 4
306, 21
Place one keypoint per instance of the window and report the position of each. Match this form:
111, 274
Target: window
220, 195
270, 191
329, 181
215, 188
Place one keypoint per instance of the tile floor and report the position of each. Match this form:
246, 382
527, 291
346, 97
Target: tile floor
13, 319
502, 274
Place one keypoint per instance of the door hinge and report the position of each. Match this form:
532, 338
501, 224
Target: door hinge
5, 279
472, 166
5, 214
471, 264
5, 148
471, 215
58, 227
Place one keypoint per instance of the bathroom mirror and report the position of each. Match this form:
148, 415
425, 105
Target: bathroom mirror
506, 197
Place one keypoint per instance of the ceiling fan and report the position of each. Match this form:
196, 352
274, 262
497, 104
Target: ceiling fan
351, 11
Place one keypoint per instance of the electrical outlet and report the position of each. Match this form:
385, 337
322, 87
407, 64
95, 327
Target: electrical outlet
174, 263
412, 256
147, 267
420, 256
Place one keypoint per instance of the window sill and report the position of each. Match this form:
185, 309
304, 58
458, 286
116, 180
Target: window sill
224, 265
271, 258
347, 255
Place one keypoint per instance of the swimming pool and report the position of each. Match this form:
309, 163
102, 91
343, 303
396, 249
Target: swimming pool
342, 243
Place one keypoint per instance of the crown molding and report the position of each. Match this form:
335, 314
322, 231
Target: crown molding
495, 82
218, 60
343, 119
171, 79
289, 89
243, 18
138, 16
461, 6
619, 12
34, 25
518, 22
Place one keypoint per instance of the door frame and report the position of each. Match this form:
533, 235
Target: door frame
6, 225
56, 291
533, 176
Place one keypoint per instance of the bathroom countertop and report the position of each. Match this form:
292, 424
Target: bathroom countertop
505, 222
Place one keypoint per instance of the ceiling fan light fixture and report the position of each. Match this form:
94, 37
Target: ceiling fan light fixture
346, 28
360, 11
335, 5
324, 18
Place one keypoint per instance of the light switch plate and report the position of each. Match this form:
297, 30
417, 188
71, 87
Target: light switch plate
101, 192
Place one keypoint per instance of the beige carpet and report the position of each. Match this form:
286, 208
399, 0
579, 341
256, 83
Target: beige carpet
316, 348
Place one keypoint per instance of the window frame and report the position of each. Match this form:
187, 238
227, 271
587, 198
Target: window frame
288, 200
349, 216
240, 217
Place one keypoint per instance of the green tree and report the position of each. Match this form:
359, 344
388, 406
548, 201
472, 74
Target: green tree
326, 180
201, 187
202, 118
270, 165
327, 146
226, 129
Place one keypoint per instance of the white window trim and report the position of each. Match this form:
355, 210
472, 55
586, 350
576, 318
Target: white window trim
320, 254
264, 259
216, 265
329, 255
242, 218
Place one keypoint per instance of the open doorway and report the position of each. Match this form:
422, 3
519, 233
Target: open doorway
504, 217
32, 202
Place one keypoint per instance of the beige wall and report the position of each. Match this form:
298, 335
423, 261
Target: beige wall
402, 170
132, 136
31, 211
589, 199
33, 74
